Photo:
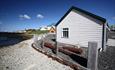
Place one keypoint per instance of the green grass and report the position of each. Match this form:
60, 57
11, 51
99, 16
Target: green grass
37, 32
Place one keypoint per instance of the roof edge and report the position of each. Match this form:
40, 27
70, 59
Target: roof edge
64, 16
83, 11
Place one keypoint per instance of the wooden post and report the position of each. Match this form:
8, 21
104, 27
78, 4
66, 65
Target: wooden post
56, 48
42, 42
56, 43
92, 56
35, 38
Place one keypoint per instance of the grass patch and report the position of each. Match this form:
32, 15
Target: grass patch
37, 31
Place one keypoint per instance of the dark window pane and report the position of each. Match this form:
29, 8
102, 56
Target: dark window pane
65, 32
65, 28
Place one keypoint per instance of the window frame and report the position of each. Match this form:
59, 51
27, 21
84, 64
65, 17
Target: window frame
66, 31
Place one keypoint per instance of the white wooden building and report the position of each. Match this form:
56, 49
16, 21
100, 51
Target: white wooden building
78, 27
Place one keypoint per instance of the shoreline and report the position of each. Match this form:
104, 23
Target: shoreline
7, 39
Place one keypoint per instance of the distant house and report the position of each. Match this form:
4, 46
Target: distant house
52, 30
78, 26
43, 28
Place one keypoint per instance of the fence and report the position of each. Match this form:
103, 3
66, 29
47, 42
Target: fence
92, 52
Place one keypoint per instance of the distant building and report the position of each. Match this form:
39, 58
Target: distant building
48, 28
43, 28
52, 30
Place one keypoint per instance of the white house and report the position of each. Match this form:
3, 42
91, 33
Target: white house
43, 28
47, 27
78, 26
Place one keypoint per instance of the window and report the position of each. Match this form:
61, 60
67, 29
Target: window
65, 32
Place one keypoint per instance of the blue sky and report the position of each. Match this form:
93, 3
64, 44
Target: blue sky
21, 14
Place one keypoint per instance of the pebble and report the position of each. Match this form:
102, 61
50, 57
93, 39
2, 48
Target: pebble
26, 58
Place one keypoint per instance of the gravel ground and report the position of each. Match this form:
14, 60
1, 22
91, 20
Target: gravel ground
107, 59
23, 57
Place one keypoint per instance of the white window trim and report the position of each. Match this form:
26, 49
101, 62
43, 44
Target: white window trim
65, 30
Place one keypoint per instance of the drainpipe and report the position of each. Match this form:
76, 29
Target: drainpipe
104, 36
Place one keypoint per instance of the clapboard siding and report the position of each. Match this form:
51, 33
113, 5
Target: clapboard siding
81, 30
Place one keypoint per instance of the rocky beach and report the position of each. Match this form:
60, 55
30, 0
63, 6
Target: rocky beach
22, 56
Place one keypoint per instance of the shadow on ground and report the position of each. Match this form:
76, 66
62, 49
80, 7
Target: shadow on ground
82, 61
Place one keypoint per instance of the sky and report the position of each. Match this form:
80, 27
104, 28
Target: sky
32, 14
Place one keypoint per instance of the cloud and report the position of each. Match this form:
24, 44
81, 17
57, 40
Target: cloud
40, 16
24, 16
